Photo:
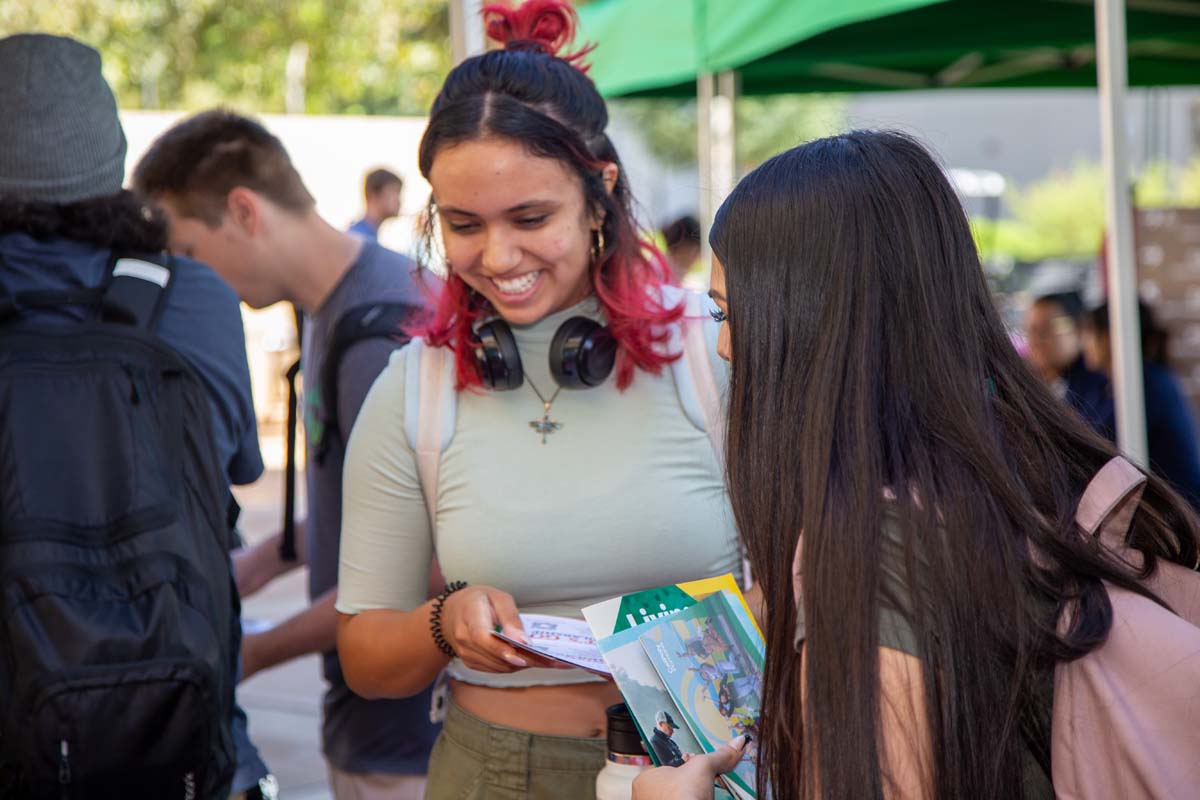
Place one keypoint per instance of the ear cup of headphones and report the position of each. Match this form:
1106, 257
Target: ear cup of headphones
582, 353
498, 358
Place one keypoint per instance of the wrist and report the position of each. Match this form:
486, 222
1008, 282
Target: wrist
436, 616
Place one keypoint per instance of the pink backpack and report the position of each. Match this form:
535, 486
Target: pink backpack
1126, 721
1127, 715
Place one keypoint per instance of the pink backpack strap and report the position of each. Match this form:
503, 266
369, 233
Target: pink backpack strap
1109, 501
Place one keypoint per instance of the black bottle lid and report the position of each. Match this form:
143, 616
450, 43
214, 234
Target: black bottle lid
623, 737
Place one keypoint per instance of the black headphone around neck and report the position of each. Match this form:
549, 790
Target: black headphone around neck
582, 354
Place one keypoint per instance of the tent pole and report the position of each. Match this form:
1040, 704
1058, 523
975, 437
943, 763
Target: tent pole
705, 91
466, 29
716, 145
724, 131
1128, 389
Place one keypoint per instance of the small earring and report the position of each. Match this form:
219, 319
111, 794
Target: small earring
597, 244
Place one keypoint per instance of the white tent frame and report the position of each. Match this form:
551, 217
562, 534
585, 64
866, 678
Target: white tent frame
716, 139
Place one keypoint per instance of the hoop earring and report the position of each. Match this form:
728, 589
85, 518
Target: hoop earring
597, 244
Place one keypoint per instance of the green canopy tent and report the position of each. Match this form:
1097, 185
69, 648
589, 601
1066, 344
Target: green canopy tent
666, 47
656, 48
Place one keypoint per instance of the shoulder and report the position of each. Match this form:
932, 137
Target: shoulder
362, 227
1161, 382
202, 312
1164, 394
393, 377
698, 311
390, 275
200, 295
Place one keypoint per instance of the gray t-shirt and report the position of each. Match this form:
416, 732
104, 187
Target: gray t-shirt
389, 736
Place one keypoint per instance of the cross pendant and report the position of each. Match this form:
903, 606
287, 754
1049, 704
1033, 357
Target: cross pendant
545, 426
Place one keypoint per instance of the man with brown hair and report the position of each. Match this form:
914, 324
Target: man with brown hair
381, 190
235, 200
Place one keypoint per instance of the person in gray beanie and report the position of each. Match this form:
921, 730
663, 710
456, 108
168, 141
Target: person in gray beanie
64, 218
61, 141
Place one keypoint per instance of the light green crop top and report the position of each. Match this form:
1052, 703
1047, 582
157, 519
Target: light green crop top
627, 495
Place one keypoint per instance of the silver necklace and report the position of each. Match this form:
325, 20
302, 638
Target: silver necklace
545, 426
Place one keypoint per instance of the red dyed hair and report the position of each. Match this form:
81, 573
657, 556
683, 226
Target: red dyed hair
529, 94
547, 25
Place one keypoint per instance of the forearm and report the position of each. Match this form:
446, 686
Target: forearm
388, 653
313, 630
254, 567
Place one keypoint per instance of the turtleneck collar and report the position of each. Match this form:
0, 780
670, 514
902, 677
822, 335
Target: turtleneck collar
533, 340
541, 332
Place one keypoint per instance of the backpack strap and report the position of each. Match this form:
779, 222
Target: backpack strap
695, 349
430, 414
1108, 503
287, 545
137, 287
695, 383
367, 321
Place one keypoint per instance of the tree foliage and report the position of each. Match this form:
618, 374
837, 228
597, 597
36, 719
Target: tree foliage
363, 56
1062, 215
765, 125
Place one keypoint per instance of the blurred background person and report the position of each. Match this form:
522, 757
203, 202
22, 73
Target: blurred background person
682, 240
1052, 338
381, 193
235, 200
1170, 428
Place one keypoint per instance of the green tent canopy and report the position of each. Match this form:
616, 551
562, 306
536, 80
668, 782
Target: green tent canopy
657, 47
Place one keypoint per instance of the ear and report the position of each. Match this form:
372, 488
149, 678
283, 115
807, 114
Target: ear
609, 175
242, 208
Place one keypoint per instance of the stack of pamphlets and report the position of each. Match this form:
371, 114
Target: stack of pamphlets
688, 659
567, 641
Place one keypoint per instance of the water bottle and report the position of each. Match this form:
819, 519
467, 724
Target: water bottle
626, 756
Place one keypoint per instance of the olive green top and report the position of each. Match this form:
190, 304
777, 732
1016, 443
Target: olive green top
896, 632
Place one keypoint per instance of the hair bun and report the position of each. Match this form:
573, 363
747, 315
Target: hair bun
544, 25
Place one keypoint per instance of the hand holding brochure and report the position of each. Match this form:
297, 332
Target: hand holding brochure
688, 659
567, 641
712, 668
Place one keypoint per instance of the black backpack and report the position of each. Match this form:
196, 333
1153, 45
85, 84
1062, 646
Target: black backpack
367, 321
118, 611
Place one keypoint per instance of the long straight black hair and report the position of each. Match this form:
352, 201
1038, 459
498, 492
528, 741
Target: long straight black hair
868, 360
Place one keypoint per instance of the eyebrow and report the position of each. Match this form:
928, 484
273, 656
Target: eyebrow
715, 295
517, 209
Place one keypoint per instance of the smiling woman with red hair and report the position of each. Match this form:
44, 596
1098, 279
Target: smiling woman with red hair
616, 488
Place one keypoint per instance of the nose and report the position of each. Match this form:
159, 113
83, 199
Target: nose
724, 343
500, 253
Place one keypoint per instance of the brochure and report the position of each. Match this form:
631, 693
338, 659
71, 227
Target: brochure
628, 611
619, 623
710, 659
568, 641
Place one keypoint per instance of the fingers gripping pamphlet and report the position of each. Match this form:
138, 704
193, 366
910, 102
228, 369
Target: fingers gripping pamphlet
568, 641
688, 659
712, 668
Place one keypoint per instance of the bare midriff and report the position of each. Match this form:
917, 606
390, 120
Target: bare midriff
567, 710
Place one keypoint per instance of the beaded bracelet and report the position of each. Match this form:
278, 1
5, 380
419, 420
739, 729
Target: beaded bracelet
435, 617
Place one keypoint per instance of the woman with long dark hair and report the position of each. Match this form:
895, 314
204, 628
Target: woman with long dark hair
553, 483
906, 487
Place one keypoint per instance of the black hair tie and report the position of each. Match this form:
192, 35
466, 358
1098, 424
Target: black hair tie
435, 617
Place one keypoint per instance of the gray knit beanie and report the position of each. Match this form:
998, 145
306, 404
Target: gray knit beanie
60, 138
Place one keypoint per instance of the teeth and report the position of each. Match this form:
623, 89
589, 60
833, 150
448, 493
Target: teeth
517, 285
